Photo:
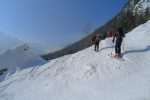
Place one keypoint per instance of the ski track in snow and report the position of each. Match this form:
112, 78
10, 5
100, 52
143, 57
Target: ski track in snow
88, 75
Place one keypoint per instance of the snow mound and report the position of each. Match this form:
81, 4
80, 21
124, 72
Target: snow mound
19, 57
88, 75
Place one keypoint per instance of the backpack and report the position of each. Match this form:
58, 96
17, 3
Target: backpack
120, 33
97, 39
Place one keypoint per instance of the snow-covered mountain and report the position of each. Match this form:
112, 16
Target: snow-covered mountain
7, 42
17, 58
88, 75
138, 6
38, 48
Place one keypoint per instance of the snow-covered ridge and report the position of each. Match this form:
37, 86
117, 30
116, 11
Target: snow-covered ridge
141, 7
138, 7
7, 42
19, 57
38, 48
88, 75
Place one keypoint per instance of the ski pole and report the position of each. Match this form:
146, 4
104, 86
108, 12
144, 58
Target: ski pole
112, 48
123, 46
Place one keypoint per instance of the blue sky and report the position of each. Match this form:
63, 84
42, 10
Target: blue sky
55, 22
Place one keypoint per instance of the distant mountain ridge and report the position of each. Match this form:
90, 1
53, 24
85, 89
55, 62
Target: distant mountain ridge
7, 42
39, 48
18, 58
134, 13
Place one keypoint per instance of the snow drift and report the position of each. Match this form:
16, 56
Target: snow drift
88, 75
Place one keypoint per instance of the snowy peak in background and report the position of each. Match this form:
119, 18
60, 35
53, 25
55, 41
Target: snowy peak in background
38, 48
7, 42
19, 57
139, 7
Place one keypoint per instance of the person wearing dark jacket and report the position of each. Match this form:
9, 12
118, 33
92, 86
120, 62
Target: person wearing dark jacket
95, 40
119, 37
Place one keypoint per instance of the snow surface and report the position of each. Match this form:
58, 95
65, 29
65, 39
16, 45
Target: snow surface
17, 58
88, 75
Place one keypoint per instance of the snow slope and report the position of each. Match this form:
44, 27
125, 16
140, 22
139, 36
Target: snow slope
88, 75
17, 58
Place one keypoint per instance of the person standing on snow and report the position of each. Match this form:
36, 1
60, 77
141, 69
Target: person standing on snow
96, 39
119, 37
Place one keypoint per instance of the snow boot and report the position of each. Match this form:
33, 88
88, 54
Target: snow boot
117, 55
